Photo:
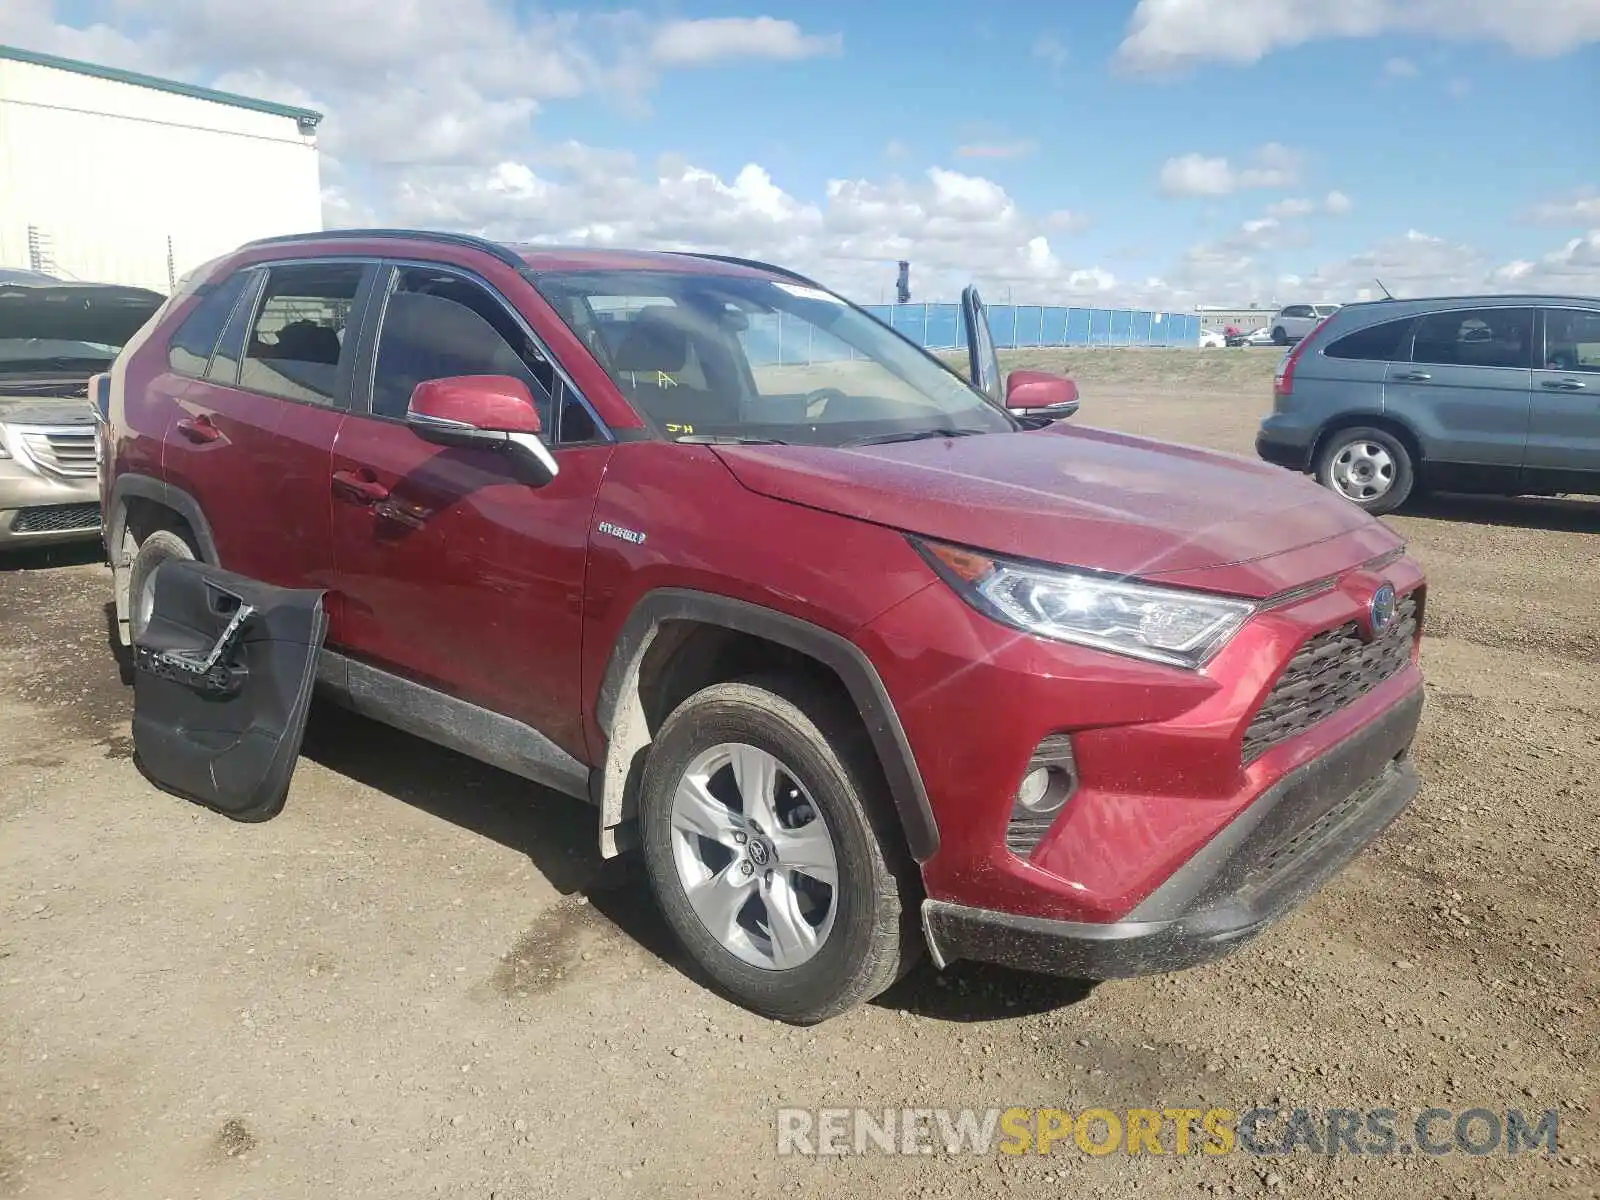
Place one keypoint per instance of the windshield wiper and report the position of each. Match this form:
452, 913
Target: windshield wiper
915, 435
727, 439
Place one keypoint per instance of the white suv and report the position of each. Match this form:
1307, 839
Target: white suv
1294, 321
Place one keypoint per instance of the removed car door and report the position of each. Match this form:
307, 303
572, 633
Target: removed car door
223, 675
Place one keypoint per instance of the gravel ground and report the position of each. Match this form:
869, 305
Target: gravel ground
420, 981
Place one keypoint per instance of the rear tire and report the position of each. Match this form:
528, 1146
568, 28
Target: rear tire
834, 929
161, 546
1371, 468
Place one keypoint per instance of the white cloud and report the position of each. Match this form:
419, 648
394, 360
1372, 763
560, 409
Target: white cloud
1334, 204
1580, 208
1017, 149
1415, 263
1295, 206
1272, 166
1169, 35
1574, 269
695, 43
1400, 68
1068, 221
433, 118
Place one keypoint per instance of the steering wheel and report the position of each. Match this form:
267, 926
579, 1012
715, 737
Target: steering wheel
816, 401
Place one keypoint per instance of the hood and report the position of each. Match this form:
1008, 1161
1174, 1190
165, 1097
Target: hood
46, 410
79, 312
1088, 498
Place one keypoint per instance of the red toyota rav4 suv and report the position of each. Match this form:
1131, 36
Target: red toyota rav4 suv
862, 661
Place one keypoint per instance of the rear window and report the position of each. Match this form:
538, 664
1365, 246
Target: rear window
1375, 343
192, 345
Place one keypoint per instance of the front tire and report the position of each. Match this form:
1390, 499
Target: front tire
1279, 337
769, 849
1369, 467
160, 546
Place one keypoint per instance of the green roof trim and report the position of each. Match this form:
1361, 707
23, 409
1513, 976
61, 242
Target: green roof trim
307, 116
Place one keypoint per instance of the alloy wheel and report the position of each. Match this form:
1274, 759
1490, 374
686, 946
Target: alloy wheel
755, 856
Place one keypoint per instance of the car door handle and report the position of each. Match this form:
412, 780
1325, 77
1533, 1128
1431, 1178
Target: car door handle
1413, 377
358, 489
1563, 385
199, 429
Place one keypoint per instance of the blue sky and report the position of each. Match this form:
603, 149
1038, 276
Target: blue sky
1167, 151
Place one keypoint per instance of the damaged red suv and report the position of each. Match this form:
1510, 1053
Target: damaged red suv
863, 658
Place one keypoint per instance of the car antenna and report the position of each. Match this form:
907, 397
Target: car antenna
1387, 294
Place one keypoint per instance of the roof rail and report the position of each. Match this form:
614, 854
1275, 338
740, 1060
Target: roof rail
753, 263
465, 241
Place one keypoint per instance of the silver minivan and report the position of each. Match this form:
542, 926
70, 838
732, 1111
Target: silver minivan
1497, 394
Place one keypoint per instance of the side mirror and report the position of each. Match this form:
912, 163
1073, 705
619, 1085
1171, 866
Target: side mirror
1041, 394
484, 412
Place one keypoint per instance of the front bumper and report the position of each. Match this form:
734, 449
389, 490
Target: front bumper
38, 509
1267, 860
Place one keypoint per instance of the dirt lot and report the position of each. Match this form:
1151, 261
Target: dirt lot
419, 981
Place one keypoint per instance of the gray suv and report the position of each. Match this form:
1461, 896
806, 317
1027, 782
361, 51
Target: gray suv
1497, 394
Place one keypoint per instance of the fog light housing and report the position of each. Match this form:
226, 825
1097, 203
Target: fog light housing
1050, 781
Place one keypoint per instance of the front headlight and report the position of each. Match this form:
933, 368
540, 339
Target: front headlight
1165, 625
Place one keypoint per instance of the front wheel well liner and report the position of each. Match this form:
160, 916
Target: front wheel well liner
677, 641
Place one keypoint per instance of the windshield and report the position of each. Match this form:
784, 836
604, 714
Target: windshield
709, 356
53, 354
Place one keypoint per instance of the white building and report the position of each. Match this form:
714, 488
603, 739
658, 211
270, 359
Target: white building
108, 176
1220, 316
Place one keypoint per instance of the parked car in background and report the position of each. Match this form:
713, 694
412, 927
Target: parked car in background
1294, 321
1258, 337
862, 664
1496, 394
1212, 339
53, 337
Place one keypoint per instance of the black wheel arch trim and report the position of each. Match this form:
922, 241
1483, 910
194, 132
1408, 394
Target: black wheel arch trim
1379, 419
619, 713
131, 486
145, 487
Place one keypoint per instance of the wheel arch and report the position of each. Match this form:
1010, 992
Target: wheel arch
138, 505
1390, 424
677, 640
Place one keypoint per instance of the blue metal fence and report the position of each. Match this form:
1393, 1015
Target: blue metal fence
772, 339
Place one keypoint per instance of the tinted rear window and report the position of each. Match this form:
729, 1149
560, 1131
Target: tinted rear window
1375, 343
192, 345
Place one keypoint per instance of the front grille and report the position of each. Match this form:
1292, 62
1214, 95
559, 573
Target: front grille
1330, 671
65, 450
57, 518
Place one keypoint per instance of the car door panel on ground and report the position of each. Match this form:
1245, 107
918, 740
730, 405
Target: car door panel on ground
451, 570
1564, 428
222, 687
1466, 390
256, 437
